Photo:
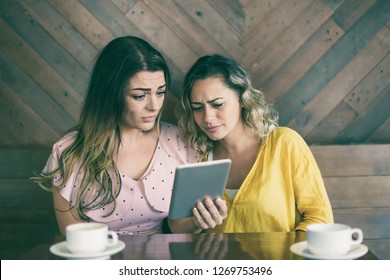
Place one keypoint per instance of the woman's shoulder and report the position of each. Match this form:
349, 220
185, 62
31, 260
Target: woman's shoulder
285, 132
57, 150
169, 128
287, 137
173, 144
64, 142
169, 133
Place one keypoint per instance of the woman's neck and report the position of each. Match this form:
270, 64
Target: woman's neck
236, 144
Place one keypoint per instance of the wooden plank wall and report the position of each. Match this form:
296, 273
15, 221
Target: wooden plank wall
324, 63
26, 211
357, 178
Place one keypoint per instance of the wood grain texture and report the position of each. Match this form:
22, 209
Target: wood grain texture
374, 222
324, 64
352, 160
345, 81
357, 180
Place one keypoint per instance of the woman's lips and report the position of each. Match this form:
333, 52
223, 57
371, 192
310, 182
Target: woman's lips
149, 119
212, 128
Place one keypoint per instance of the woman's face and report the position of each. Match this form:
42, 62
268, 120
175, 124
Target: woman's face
216, 108
144, 98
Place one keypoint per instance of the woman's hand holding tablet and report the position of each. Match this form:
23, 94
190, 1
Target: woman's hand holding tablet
199, 182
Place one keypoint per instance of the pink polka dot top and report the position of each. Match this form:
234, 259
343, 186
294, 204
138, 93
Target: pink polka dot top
141, 204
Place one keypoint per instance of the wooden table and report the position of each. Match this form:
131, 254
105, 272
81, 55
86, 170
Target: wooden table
243, 246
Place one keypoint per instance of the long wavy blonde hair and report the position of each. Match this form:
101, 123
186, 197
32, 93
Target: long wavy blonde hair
98, 138
256, 112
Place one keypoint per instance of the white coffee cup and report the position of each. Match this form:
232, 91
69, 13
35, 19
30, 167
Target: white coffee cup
87, 238
332, 239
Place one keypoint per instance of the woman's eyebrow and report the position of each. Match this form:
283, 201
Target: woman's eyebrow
208, 101
148, 89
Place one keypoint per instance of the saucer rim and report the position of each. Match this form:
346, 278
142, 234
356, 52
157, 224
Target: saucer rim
59, 248
299, 247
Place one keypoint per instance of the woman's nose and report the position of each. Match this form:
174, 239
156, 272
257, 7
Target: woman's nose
208, 115
153, 103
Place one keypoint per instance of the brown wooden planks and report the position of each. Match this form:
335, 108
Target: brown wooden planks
380, 134
358, 191
195, 37
31, 93
14, 46
39, 40
374, 115
256, 13
332, 63
331, 126
232, 11
290, 40
28, 123
371, 86
169, 42
344, 81
112, 17
296, 48
350, 11
375, 222
212, 22
84, 21
69, 38
24, 194
301, 61
352, 160
124, 6
268, 31
20, 163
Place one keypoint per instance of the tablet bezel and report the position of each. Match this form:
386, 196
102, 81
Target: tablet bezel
194, 182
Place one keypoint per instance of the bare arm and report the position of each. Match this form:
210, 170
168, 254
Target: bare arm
63, 214
207, 214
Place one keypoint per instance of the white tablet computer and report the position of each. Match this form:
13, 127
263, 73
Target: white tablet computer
195, 181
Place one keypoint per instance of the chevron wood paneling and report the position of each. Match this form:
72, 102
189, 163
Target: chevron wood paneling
324, 63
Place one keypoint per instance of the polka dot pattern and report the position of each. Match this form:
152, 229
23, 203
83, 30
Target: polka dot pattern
141, 204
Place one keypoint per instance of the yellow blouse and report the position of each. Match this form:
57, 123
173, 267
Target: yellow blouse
283, 191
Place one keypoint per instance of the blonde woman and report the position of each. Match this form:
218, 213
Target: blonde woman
274, 182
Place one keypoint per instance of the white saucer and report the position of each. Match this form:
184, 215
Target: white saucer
60, 249
356, 251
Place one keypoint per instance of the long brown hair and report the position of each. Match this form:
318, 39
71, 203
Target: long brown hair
97, 134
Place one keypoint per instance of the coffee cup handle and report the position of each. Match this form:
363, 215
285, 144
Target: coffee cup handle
114, 237
357, 232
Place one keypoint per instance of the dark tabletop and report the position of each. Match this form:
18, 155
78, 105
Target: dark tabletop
238, 246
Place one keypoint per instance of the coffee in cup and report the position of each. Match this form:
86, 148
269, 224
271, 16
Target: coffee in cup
332, 239
88, 238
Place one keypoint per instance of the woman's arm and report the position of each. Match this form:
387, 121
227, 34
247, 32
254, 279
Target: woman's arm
64, 215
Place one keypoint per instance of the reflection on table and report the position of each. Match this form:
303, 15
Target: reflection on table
213, 246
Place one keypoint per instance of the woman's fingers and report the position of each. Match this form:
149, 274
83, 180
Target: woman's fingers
199, 221
222, 208
213, 215
209, 214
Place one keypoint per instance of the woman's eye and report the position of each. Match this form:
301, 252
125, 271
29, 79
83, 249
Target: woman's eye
196, 108
217, 105
161, 93
139, 97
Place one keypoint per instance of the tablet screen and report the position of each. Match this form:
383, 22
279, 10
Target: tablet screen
196, 181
